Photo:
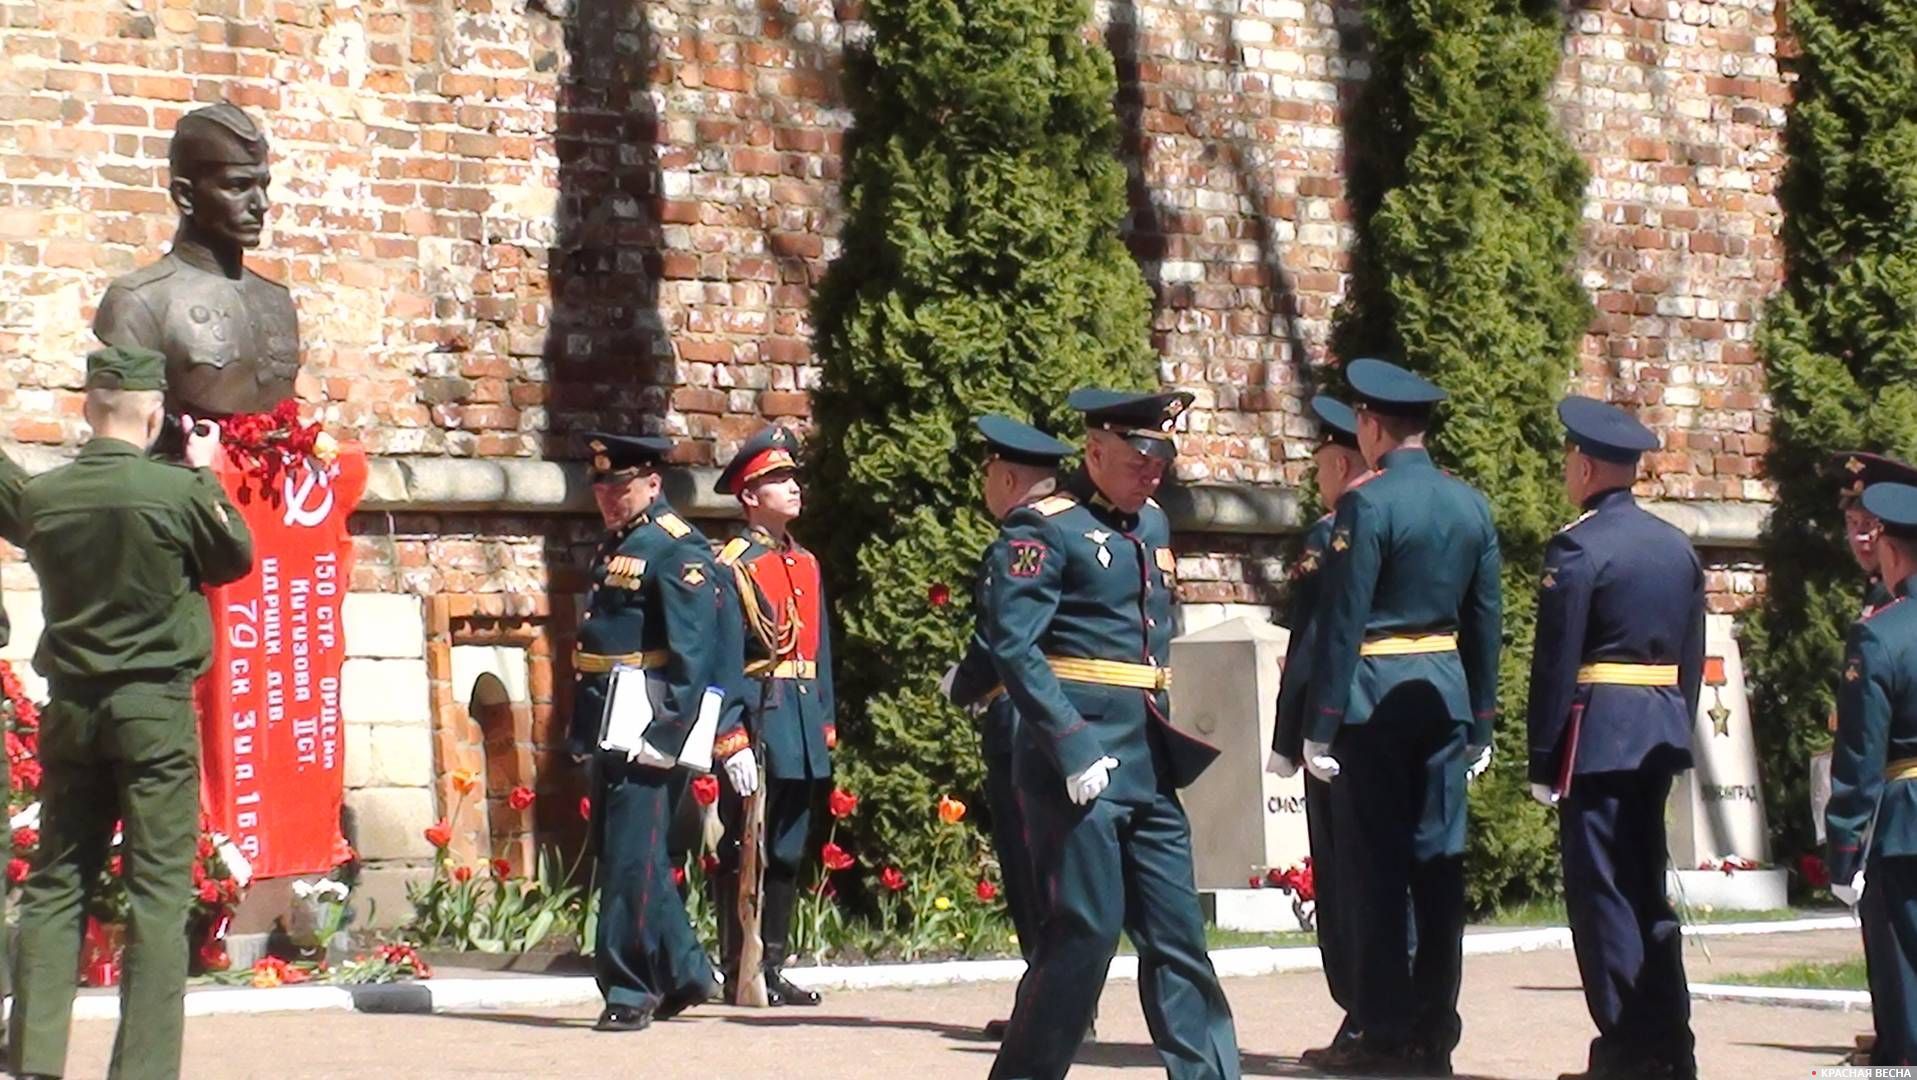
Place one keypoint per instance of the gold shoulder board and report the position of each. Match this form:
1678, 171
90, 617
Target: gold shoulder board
1054, 504
673, 526
734, 548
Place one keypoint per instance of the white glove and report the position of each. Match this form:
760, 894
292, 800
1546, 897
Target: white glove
1320, 763
1087, 785
1851, 893
945, 684
1544, 795
651, 756
742, 769
1284, 767
1479, 764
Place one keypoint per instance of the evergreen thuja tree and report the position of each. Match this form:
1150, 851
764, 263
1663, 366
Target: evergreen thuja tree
1469, 198
982, 270
1839, 345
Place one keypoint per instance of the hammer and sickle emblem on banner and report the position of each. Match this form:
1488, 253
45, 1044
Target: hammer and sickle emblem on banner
300, 508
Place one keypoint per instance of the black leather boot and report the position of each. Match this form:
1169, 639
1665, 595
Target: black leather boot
775, 929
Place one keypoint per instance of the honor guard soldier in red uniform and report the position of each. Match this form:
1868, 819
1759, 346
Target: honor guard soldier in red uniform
788, 697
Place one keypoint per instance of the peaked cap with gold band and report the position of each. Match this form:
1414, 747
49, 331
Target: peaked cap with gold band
1855, 470
769, 450
614, 453
1145, 421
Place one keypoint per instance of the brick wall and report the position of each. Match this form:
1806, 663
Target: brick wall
504, 218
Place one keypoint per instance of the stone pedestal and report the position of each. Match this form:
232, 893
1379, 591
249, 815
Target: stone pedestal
1717, 809
1225, 690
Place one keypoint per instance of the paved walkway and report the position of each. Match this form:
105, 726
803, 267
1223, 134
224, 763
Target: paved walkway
1524, 1018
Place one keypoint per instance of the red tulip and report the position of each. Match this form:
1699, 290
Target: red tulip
585, 809
709, 862
678, 876
462, 874
705, 790
440, 834
987, 892
1816, 874
520, 798
502, 869
835, 857
892, 879
842, 803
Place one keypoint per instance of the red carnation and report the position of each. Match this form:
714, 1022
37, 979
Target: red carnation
209, 892
835, 857
17, 870
585, 809
940, 594
26, 839
842, 803
1816, 874
26, 776
440, 834
678, 876
520, 798
987, 892
705, 790
116, 865
892, 879
206, 847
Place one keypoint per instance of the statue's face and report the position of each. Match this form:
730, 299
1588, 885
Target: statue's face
227, 203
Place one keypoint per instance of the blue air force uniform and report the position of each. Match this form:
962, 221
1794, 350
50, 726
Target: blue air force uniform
1081, 632
975, 685
653, 604
1404, 678
1614, 685
1872, 817
1340, 426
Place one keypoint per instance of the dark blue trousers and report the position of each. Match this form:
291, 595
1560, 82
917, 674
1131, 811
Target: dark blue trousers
1330, 911
1889, 913
1103, 868
644, 950
1014, 857
1397, 812
1629, 944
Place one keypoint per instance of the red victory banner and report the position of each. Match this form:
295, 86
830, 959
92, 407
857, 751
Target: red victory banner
272, 740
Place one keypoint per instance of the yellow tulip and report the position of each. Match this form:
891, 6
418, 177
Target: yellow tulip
942, 903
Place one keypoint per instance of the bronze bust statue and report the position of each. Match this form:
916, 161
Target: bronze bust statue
230, 336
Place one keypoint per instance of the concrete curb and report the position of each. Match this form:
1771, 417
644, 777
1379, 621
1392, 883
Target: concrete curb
554, 991
1790, 996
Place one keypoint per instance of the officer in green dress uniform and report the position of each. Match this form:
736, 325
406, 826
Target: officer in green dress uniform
1614, 684
787, 662
1021, 467
1403, 695
1080, 630
122, 544
1872, 818
654, 605
1340, 466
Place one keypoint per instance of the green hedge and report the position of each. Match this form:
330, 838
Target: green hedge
1468, 198
982, 270
1839, 345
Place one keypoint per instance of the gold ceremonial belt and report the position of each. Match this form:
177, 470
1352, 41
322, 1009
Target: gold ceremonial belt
1901, 769
1110, 672
783, 669
1409, 644
598, 662
1608, 674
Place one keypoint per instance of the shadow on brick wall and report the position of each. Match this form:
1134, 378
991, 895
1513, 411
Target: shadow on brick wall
608, 355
